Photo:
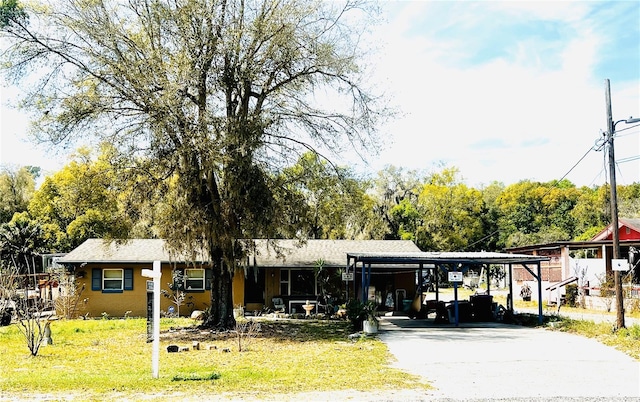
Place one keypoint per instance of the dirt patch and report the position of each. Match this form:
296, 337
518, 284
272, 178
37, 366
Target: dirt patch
284, 329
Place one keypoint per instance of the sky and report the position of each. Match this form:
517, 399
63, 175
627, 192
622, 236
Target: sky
502, 91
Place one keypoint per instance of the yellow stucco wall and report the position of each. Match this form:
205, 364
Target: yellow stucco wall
238, 288
96, 302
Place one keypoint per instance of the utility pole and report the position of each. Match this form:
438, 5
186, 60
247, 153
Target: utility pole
614, 208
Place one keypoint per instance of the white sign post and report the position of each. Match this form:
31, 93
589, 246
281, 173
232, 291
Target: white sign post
156, 274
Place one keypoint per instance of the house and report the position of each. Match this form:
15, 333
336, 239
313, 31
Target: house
586, 263
111, 275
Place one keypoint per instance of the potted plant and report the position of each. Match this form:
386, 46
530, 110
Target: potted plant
525, 292
370, 322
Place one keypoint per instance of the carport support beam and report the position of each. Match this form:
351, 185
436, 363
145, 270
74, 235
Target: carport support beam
539, 279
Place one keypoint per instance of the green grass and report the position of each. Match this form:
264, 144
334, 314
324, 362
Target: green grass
97, 358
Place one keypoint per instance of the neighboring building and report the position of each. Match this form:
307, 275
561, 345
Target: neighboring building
584, 262
111, 274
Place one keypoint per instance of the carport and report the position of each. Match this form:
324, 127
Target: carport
447, 262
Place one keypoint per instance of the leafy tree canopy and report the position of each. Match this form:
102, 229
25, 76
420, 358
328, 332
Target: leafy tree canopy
215, 93
17, 186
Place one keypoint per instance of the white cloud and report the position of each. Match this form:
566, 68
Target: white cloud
545, 117
528, 111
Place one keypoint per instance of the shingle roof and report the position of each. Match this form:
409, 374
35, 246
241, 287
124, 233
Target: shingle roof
332, 252
129, 251
290, 252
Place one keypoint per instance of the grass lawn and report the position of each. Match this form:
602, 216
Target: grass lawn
97, 358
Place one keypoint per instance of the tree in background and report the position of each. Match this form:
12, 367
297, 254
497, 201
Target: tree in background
491, 231
629, 201
214, 93
333, 203
21, 243
451, 213
395, 192
532, 212
591, 212
80, 201
17, 186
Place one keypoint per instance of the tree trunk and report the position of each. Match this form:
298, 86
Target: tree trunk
221, 311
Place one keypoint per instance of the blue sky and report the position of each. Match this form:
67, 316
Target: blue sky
507, 91
504, 91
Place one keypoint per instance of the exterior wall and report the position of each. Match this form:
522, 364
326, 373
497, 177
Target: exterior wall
238, 288
593, 269
133, 302
626, 233
272, 286
551, 271
406, 281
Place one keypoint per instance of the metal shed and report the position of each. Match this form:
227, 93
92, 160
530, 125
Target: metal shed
446, 262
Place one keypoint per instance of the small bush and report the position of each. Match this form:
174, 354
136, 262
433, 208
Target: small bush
633, 306
571, 295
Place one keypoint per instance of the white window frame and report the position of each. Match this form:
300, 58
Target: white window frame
187, 278
106, 278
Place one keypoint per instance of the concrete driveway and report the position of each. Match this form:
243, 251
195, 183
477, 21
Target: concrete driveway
498, 361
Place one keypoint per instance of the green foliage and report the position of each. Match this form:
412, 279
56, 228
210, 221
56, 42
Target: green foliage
571, 294
11, 12
332, 201
16, 189
539, 213
81, 201
392, 187
356, 313
451, 213
22, 241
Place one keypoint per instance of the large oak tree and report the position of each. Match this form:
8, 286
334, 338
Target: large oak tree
215, 93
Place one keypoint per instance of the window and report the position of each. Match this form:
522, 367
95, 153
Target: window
297, 282
194, 279
112, 280
284, 281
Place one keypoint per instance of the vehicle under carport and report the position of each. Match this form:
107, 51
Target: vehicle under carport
361, 264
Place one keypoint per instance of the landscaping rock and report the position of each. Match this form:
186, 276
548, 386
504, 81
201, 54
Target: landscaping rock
173, 349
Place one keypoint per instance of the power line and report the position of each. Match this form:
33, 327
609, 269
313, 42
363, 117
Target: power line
627, 159
625, 129
596, 147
